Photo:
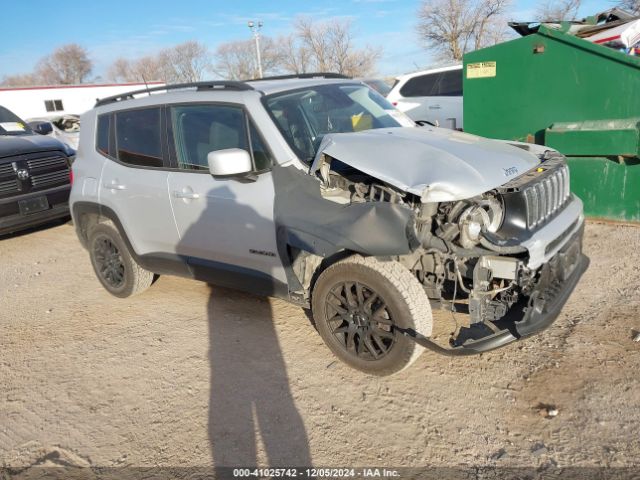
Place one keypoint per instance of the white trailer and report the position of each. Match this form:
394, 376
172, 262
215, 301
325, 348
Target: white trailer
50, 101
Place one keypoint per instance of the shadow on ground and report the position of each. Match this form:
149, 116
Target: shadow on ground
250, 398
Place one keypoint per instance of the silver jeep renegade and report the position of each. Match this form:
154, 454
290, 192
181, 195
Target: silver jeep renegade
316, 190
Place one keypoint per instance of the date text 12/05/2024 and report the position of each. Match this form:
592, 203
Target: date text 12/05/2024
315, 473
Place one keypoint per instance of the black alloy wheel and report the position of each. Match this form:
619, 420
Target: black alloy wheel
363, 305
109, 262
360, 320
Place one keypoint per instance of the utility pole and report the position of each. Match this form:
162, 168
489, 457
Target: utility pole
255, 30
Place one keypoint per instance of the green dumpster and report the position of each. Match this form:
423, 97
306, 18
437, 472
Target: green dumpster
583, 99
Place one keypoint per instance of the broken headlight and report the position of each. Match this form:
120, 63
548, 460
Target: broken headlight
485, 215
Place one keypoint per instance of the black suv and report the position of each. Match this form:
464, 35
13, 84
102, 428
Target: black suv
34, 174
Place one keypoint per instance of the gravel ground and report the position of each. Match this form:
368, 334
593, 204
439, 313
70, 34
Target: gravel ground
189, 375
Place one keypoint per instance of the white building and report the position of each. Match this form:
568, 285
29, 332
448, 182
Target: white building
30, 102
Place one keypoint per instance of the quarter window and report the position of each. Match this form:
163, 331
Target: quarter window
102, 136
200, 129
138, 137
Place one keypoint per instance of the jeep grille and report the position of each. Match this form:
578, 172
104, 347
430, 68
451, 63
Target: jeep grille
547, 196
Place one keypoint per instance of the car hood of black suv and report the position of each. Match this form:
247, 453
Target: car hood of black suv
29, 143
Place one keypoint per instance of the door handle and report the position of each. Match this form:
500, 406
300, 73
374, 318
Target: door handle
114, 186
189, 195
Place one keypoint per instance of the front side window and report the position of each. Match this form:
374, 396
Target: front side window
138, 134
305, 116
201, 129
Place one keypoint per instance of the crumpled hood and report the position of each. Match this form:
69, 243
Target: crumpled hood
437, 164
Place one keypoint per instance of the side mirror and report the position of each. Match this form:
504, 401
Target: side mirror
43, 128
229, 162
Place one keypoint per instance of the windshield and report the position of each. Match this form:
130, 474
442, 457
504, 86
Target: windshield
11, 124
305, 116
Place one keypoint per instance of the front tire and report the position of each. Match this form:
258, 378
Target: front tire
357, 303
114, 266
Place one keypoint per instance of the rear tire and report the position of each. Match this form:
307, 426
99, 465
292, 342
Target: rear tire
114, 266
357, 303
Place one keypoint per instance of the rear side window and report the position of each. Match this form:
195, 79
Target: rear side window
102, 134
444, 84
138, 134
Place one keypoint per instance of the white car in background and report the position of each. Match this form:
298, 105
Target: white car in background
65, 128
433, 96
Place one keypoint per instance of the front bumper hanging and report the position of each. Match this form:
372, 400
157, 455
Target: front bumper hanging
557, 281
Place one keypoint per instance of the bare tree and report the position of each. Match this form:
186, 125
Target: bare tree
632, 6
120, 70
146, 69
237, 60
315, 42
20, 80
329, 48
326, 46
186, 62
294, 57
67, 65
454, 27
321, 47
558, 10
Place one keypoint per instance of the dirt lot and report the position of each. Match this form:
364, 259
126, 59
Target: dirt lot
186, 375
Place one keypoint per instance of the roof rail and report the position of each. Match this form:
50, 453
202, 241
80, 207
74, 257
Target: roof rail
302, 75
214, 85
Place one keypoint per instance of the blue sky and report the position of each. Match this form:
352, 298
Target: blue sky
110, 29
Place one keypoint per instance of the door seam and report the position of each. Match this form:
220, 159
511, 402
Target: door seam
173, 213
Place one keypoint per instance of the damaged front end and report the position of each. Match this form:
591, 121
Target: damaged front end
510, 256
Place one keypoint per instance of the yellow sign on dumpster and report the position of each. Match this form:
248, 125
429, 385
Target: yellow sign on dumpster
481, 70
